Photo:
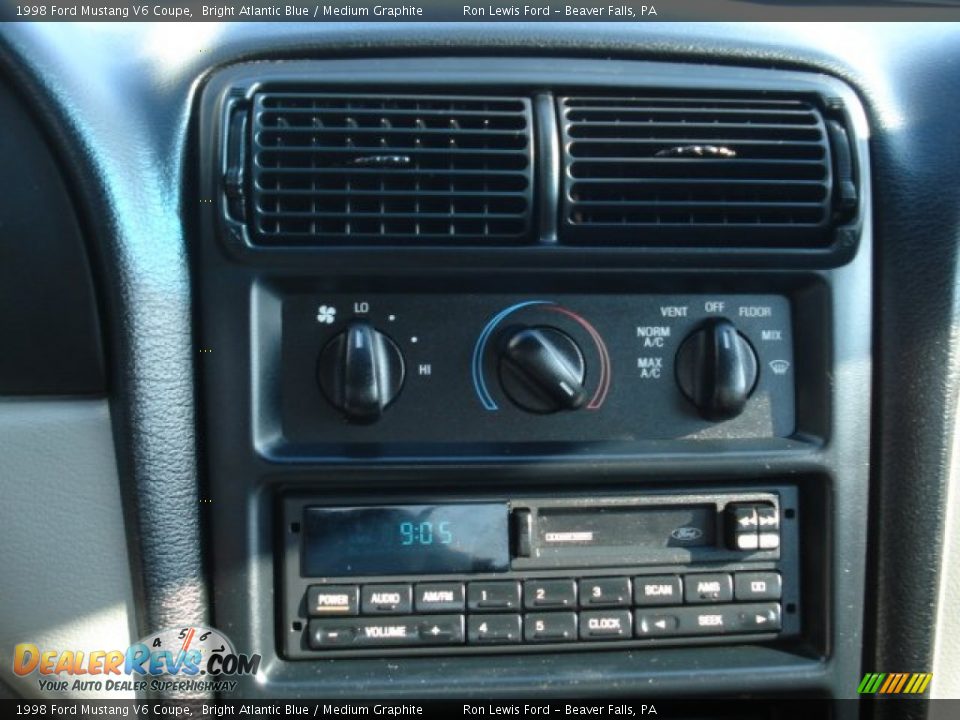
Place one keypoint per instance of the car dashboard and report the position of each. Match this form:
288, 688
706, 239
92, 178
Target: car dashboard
465, 360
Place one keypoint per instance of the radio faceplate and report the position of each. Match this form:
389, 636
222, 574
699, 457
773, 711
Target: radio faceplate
580, 573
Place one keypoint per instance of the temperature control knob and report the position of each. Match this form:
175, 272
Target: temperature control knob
361, 372
717, 369
542, 369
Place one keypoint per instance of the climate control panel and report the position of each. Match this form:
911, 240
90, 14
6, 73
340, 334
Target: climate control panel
472, 368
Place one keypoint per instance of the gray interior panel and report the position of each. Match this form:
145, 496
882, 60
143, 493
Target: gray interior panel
65, 570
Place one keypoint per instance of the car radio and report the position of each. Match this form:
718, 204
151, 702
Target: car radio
412, 576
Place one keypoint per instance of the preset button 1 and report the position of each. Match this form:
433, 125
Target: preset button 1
495, 595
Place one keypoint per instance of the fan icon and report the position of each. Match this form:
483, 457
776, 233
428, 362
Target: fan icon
326, 314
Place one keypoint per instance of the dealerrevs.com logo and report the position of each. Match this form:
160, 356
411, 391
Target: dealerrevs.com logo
189, 659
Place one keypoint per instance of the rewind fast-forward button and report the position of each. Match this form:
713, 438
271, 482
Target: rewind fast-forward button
648, 624
760, 618
708, 620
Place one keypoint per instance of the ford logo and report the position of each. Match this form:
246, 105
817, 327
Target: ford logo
687, 533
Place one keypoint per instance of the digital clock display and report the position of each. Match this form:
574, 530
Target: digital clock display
405, 539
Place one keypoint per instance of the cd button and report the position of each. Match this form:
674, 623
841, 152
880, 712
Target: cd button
386, 599
605, 624
708, 588
439, 597
550, 594
550, 627
757, 586
657, 590
333, 600
497, 595
494, 628
604, 592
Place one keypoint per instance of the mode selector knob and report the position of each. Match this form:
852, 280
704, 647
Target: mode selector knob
717, 369
361, 372
542, 369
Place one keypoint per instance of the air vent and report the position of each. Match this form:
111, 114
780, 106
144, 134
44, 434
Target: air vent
336, 169
696, 170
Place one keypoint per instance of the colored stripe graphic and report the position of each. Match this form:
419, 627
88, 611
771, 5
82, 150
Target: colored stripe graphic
894, 683
886, 686
903, 679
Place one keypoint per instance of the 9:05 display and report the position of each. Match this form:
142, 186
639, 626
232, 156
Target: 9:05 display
423, 533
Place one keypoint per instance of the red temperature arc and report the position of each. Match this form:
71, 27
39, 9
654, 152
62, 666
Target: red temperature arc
604, 385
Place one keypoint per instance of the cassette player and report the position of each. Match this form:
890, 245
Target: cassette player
410, 576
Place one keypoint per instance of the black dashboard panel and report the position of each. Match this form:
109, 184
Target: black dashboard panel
53, 343
470, 374
143, 220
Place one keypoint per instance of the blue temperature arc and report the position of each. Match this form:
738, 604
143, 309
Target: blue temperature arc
477, 367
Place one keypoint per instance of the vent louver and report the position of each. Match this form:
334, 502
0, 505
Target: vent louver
696, 170
371, 169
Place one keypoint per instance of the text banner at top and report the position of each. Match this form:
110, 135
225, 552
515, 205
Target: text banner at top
495, 11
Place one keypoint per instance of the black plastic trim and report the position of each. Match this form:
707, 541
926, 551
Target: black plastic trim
528, 77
